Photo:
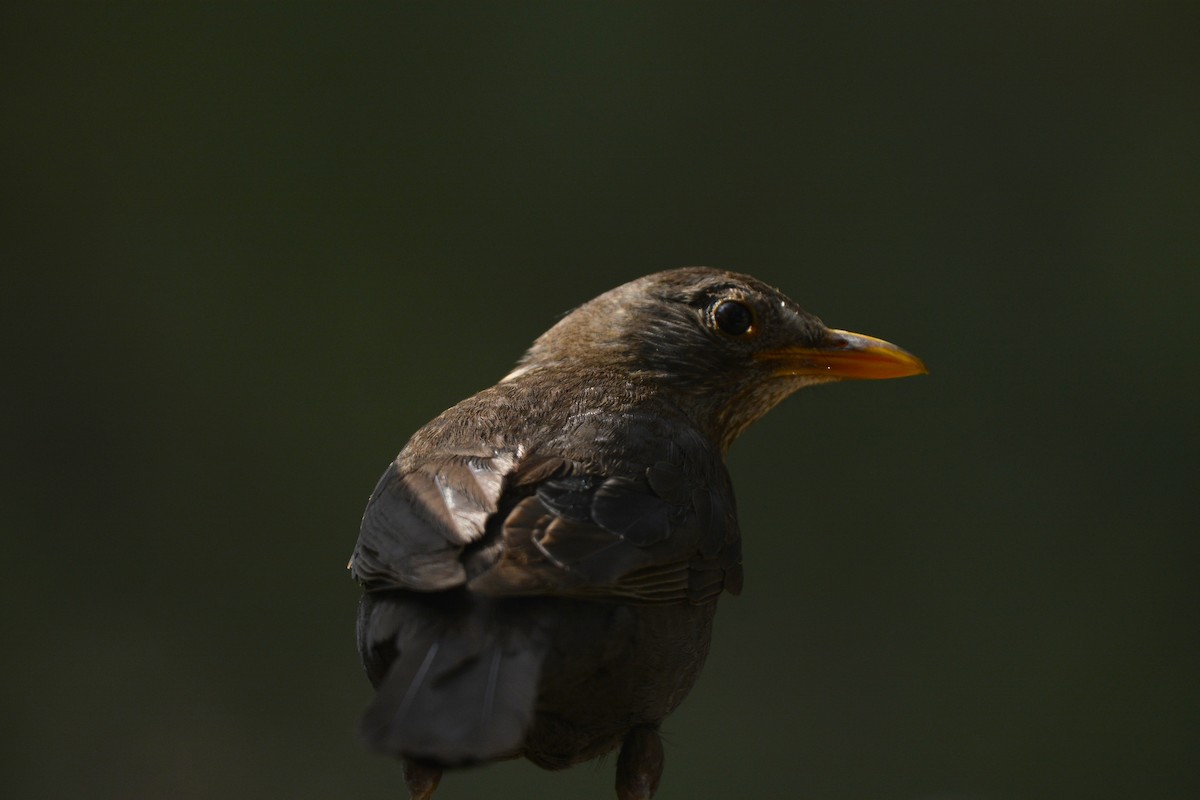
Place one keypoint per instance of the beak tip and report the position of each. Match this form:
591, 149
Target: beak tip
874, 358
918, 366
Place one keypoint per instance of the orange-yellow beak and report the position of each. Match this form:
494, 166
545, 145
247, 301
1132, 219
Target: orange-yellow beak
844, 356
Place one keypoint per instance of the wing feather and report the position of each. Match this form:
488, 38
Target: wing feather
658, 538
546, 525
417, 523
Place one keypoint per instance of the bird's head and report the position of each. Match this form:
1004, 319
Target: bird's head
725, 347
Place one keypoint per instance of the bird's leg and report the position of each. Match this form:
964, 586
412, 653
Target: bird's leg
640, 765
422, 778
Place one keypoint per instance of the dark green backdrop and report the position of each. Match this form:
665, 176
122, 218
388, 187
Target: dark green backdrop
252, 246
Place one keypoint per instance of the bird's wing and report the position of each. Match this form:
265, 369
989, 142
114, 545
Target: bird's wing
418, 521
657, 535
550, 526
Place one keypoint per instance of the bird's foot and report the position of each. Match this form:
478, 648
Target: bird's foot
422, 778
640, 765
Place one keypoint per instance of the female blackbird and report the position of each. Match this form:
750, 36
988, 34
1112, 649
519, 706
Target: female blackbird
542, 562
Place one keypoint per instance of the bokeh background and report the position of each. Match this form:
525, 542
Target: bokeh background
250, 247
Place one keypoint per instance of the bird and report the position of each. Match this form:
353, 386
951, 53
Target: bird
542, 562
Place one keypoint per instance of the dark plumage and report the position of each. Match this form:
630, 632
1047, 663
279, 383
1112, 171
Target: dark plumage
542, 562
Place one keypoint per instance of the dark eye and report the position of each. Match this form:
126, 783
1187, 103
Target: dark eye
733, 317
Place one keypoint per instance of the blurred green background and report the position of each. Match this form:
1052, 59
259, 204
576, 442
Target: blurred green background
250, 247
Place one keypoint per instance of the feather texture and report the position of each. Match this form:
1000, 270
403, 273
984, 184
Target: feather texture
457, 686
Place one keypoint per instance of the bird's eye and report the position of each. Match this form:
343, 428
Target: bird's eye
733, 317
